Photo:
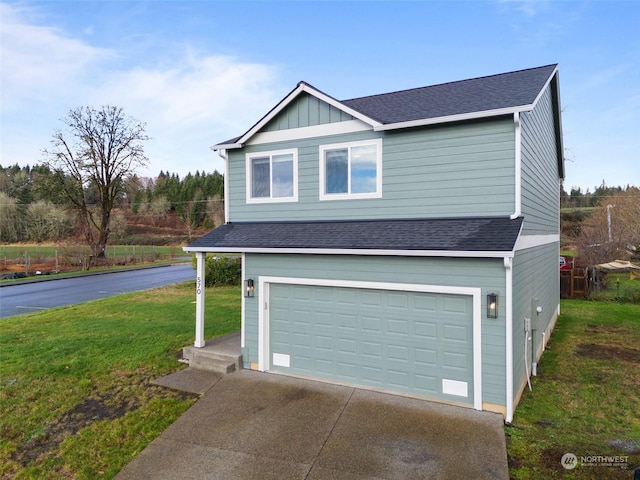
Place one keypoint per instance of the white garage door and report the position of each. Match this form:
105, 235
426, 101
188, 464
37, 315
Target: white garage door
402, 341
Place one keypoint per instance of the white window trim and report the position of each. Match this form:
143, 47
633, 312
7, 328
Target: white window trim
270, 154
351, 196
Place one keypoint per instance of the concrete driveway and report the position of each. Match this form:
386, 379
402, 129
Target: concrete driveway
252, 425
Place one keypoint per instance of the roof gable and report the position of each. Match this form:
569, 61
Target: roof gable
300, 89
482, 97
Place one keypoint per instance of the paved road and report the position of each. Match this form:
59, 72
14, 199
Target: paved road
31, 297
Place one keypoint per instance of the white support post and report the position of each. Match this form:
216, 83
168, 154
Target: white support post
199, 343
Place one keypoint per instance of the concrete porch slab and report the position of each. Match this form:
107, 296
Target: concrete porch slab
190, 380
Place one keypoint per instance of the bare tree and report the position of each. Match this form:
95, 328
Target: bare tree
93, 157
612, 231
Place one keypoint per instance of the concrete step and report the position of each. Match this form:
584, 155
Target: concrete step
220, 355
212, 365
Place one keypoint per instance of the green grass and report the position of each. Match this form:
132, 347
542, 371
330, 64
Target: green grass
585, 398
618, 287
45, 251
75, 396
76, 400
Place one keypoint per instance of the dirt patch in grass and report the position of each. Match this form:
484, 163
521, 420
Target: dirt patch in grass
591, 328
551, 459
97, 407
608, 352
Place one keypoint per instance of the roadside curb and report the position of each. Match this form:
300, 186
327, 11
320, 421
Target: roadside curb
48, 278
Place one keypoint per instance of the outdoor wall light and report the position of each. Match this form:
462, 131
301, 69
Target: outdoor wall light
248, 287
492, 305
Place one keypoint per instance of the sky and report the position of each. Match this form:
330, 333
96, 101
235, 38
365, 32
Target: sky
201, 72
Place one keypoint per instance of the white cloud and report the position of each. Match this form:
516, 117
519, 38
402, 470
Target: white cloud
192, 105
40, 63
188, 102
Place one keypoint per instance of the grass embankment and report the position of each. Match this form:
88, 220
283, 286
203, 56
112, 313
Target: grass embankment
586, 397
75, 396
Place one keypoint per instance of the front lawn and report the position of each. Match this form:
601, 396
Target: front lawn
585, 399
76, 400
75, 396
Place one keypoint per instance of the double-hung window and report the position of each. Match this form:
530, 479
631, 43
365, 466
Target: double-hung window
272, 176
351, 170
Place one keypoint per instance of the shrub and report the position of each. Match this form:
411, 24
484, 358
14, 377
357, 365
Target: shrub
221, 270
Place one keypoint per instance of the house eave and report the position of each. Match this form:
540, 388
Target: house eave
356, 251
225, 146
454, 118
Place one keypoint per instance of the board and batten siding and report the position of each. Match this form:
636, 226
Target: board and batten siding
487, 274
305, 111
446, 171
540, 176
535, 275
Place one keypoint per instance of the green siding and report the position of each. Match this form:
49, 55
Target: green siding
400, 341
305, 111
535, 275
447, 171
488, 274
540, 176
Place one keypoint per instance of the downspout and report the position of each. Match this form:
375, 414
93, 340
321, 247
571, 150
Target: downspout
508, 266
242, 302
518, 166
223, 154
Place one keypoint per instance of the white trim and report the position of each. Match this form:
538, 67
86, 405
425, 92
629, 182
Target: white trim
263, 325
348, 145
475, 293
248, 178
529, 241
300, 133
355, 251
200, 299
544, 88
508, 266
242, 302
225, 156
302, 87
518, 166
454, 118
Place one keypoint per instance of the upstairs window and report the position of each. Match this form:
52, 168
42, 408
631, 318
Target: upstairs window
352, 170
272, 176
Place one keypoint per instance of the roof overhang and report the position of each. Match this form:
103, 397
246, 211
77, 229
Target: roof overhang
358, 251
472, 237
455, 118
301, 88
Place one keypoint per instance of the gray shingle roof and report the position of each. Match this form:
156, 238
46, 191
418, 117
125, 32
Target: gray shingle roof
488, 234
483, 94
506, 90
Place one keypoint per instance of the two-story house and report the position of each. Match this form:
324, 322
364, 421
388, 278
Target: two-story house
404, 242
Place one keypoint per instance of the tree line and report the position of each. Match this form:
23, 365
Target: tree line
34, 208
576, 198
